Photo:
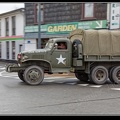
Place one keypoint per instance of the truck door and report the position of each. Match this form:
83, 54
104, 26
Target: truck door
60, 57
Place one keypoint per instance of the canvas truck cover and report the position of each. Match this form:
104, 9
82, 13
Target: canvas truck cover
98, 42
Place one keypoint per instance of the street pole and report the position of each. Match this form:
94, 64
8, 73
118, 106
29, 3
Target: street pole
108, 15
39, 26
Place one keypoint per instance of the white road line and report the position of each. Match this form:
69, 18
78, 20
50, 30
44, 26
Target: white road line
96, 86
1, 73
10, 75
3, 68
71, 83
49, 80
82, 84
115, 88
16, 77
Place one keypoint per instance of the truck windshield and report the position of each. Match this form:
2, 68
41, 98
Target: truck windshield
49, 45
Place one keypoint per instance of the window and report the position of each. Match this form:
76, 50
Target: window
88, 11
7, 49
7, 26
113, 5
0, 27
61, 45
29, 14
13, 49
20, 47
37, 13
112, 17
0, 49
36, 43
13, 25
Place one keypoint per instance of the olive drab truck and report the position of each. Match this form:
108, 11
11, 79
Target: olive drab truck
92, 55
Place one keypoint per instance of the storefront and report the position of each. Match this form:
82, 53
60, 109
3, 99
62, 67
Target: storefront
56, 30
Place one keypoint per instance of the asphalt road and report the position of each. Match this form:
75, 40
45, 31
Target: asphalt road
57, 95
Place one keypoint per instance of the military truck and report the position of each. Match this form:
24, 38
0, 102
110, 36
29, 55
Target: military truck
93, 55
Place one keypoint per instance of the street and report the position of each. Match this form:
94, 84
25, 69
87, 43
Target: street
57, 95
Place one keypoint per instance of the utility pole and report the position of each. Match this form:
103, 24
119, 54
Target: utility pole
108, 15
39, 25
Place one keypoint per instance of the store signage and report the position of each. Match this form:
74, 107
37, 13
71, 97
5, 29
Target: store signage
61, 28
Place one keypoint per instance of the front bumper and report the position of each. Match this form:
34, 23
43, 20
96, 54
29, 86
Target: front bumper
13, 68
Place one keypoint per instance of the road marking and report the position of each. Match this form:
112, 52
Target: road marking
16, 77
71, 83
96, 86
1, 73
49, 80
83, 84
115, 88
2, 68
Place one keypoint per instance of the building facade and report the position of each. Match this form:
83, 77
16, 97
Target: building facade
114, 16
59, 19
11, 34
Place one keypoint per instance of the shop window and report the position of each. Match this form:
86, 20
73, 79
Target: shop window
20, 47
7, 49
13, 49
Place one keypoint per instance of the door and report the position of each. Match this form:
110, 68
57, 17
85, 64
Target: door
61, 58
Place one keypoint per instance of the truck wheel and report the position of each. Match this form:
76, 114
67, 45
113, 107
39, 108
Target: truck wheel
110, 74
99, 75
33, 75
20, 75
81, 76
116, 75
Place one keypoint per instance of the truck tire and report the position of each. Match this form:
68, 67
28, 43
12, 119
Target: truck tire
20, 75
81, 76
116, 75
110, 74
99, 75
33, 75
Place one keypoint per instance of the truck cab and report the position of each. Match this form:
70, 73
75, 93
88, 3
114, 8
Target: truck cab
59, 58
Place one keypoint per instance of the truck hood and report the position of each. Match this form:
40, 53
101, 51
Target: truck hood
35, 51
34, 54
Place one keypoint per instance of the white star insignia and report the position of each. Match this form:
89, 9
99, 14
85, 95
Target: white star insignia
61, 59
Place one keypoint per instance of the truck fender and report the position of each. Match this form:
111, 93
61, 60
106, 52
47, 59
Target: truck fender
40, 60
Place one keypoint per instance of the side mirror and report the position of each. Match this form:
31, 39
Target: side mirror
56, 45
